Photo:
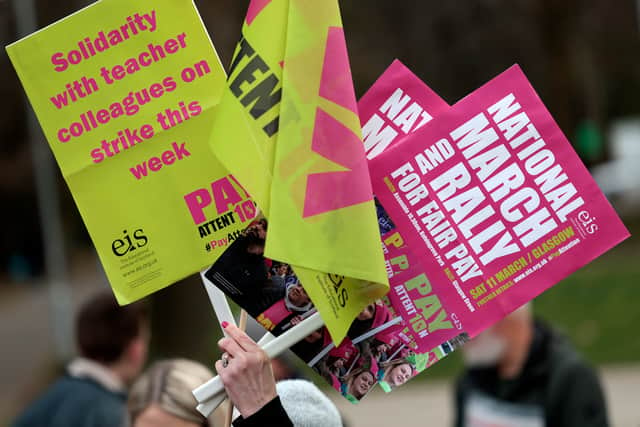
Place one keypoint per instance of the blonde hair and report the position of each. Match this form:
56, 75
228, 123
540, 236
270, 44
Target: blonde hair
168, 384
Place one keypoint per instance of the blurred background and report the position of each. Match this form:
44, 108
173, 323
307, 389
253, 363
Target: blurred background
582, 56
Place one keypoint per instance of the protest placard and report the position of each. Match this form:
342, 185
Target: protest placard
273, 293
125, 93
291, 114
379, 347
423, 319
495, 204
397, 104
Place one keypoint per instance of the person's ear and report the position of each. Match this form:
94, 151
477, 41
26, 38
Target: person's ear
136, 353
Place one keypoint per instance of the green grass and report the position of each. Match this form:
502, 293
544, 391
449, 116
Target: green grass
597, 306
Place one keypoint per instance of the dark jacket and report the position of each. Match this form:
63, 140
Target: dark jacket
270, 415
75, 402
555, 387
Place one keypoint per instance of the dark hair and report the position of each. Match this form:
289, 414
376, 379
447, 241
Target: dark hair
104, 329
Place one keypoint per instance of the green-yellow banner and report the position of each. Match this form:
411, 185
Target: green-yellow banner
125, 92
288, 129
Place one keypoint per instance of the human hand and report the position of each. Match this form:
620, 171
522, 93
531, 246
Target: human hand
248, 376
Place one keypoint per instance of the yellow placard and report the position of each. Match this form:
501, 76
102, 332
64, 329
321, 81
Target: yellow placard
125, 93
288, 128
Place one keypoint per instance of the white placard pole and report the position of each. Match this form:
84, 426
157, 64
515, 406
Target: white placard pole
211, 394
218, 301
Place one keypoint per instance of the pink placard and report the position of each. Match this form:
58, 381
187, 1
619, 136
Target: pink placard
494, 205
397, 104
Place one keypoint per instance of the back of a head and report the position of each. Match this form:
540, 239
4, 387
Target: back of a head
104, 329
306, 405
167, 384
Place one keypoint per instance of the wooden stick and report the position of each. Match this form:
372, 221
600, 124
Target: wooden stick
242, 324
228, 414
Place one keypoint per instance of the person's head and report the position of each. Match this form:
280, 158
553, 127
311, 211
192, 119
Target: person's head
114, 336
306, 405
255, 248
368, 312
506, 341
314, 336
398, 372
282, 269
255, 236
338, 362
258, 228
380, 347
297, 295
360, 382
162, 395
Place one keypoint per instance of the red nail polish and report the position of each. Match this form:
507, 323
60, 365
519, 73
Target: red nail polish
224, 324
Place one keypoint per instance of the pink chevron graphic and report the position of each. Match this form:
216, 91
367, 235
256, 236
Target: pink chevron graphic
255, 7
328, 191
336, 84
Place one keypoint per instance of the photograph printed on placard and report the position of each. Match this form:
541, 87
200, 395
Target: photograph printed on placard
268, 290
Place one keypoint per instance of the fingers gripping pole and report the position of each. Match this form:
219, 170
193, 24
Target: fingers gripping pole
211, 393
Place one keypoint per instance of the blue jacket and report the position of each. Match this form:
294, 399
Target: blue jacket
75, 402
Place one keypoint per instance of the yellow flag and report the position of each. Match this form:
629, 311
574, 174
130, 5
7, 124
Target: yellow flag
288, 129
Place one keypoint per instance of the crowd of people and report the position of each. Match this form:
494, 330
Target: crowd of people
376, 351
106, 387
519, 372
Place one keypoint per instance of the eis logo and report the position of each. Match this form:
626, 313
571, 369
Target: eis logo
129, 242
341, 292
588, 222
